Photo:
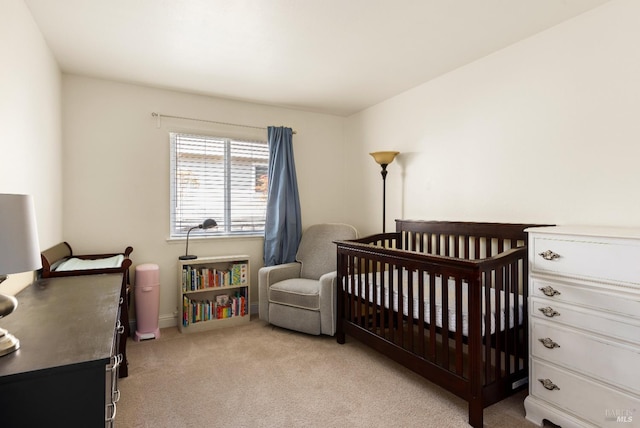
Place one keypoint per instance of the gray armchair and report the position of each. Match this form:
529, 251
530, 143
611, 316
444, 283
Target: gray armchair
302, 295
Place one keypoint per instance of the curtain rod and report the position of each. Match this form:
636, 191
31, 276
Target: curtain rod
160, 115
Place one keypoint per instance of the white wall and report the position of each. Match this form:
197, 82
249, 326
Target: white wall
116, 171
30, 115
545, 130
542, 131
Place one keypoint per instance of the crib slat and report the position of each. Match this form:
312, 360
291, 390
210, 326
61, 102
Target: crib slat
421, 333
410, 318
373, 309
381, 312
519, 320
389, 297
456, 246
498, 287
466, 241
445, 321
432, 317
397, 284
508, 334
353, 300
459, 326
487, 328
369, 285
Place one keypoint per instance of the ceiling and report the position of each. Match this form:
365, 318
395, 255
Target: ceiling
328, 56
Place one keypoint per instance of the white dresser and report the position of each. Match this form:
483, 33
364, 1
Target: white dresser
584, 326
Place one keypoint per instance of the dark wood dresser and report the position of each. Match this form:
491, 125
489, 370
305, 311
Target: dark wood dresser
65, 372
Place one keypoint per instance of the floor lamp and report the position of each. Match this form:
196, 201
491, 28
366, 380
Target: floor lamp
19, 252
384, 159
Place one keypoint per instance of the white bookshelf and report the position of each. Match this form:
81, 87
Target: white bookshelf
203, 284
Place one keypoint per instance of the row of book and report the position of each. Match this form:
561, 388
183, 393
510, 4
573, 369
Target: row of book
201, 277
223, 306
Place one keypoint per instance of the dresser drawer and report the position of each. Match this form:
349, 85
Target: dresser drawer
605, 323
588, 400
590, 355
623, 302
589, 258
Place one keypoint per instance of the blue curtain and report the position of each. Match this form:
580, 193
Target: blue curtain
283, 225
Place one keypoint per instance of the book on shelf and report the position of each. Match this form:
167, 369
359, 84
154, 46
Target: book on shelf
196, 278
221, 307
239, 273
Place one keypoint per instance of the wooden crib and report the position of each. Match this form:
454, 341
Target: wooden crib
473, 343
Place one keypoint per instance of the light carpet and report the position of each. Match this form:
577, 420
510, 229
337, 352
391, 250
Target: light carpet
259, 375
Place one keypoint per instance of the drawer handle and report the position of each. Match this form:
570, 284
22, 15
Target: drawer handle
548, 384
548, 343
549, 291
549, 312
114, 363
549, 255
110, 415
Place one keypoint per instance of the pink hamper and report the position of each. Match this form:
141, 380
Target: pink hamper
147, 298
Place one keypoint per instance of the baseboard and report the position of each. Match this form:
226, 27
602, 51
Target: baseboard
166, 321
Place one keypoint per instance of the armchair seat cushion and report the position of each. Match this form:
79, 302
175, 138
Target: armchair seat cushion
297, 292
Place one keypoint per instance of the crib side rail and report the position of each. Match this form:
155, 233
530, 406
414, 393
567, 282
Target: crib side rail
385, 240
382, 295
468, 240
513, 231
478, 337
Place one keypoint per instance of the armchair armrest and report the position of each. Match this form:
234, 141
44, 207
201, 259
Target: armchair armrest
328, 302
328, 282
269, 275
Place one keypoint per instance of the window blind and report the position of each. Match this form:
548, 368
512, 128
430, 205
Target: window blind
220, 178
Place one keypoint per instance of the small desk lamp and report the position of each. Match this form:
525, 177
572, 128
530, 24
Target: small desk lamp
207, 224
19, 252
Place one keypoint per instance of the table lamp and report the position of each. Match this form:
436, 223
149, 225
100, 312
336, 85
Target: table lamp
19, 252
207, 224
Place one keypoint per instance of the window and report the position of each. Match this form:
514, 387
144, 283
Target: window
220, 178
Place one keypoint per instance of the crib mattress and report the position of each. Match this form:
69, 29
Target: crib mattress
382, 290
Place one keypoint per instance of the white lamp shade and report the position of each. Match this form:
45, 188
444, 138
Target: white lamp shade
19, 247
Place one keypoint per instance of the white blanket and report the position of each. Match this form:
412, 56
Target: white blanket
451, 301
81, 264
